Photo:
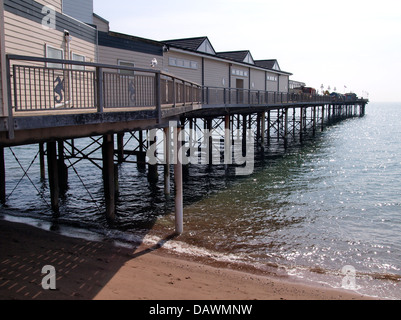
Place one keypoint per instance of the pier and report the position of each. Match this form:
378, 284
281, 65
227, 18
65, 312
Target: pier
52, 102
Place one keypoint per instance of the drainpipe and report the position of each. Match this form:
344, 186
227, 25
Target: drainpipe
68, 56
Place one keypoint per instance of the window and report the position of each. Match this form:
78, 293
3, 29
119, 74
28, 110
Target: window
241, 73
77, 57
126, 64
54, 53
182, 63
272, 78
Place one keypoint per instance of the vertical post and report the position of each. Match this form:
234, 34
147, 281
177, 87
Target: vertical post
52, 166
263, 129
227, 142
2, 177
323, 115
167, 150
314, 120
244, 126
153, 174
4, 108
301, 123
285, 127
268, 127
62, 168
99, 89
141, 155
209, 126
120, 147
278, 124
108, 175
179, 198
158, 95
42, 161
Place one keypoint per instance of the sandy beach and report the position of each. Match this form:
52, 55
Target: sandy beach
90, 270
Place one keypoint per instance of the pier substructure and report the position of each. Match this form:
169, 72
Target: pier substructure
108, 176
2, 177
179, 189
52, 165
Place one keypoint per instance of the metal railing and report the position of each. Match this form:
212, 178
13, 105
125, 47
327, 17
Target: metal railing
230, 96
34, 86
42, 84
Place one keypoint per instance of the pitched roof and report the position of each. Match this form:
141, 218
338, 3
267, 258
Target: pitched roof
239, 56
268, 64
201, 44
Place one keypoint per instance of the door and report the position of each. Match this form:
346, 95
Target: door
240, 90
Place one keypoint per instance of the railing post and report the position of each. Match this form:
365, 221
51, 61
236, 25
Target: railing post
9, 101
99, 90
174, 93
158, 96
184, 88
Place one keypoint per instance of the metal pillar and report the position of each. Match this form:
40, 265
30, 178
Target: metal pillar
179, 197
263, 129
120, 147
227, 142
167, 150
42, 161
62, 168
153, 175
2, 177
301, 123
285, 127
323, 115
52, 165
108, 176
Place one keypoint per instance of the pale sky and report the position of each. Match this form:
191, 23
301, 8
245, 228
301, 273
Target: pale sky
339, 43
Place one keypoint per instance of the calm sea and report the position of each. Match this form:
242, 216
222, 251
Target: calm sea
307, 211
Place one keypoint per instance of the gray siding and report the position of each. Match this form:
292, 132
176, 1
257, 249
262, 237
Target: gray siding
55, 3
81, 10
258, 80
194, 75
101, 25
26, 37
216, 72
283, 86
109, 55
32, 10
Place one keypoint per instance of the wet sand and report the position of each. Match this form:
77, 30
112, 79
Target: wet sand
99, 270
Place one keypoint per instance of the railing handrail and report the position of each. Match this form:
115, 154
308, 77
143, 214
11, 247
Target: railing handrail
97, 65
78, 63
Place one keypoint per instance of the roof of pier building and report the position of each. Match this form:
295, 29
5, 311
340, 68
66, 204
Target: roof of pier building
202, 45
268, 64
